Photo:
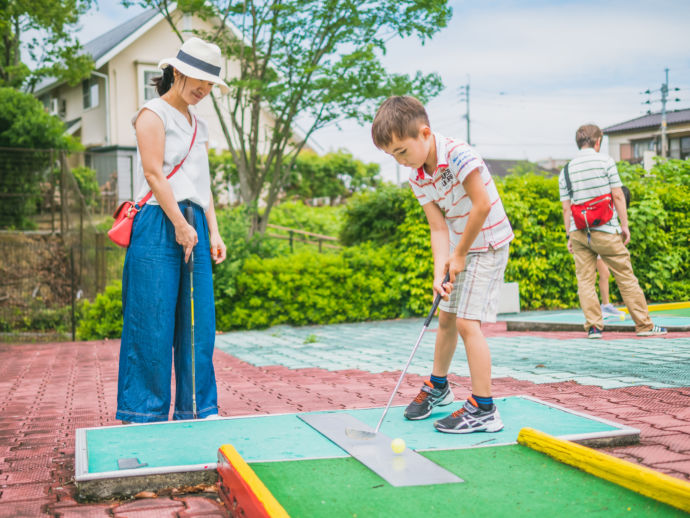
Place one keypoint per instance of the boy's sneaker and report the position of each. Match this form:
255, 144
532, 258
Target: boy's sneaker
594, 333
470, 418
654, 331
427, 399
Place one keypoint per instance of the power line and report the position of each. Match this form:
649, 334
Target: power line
664, 90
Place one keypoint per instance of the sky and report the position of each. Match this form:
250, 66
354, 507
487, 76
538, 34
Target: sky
537, 70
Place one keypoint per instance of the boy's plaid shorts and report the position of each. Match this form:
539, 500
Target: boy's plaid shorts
475, 291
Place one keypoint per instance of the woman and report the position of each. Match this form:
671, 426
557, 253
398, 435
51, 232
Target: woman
155, 282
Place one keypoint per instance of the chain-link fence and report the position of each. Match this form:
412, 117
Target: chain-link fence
54, 212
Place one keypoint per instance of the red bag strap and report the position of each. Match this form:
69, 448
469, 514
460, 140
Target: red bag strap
175, 169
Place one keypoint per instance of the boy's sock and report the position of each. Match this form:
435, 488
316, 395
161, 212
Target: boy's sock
485, 403
439, 382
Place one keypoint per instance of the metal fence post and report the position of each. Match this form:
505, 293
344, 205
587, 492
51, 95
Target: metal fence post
72, 294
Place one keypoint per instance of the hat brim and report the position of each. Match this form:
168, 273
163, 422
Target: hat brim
195, 73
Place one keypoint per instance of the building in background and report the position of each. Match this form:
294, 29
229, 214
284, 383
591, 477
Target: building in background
634, 139
99, 111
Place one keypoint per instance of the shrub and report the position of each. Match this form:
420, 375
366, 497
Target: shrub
325, 220
88, 185
310, 288
374, 215
103, 317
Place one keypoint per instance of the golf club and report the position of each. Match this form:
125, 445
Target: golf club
364, 434
189, 216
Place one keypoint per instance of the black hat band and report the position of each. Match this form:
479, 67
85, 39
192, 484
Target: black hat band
198, 63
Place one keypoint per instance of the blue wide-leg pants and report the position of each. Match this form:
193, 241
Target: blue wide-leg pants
157, 322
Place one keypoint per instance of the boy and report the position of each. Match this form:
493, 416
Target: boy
470, 233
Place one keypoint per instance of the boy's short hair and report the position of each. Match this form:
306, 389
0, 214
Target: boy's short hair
587, 135
399, 117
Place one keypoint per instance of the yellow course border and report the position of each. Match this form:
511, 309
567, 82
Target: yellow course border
254, 483
650, 483
663, 307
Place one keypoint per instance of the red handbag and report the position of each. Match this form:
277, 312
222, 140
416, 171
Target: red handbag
592, 213
121, 231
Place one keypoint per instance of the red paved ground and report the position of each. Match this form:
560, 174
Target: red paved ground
49, 390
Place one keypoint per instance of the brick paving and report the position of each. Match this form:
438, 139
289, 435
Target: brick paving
49, 390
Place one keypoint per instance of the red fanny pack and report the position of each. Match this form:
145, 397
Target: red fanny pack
592, 213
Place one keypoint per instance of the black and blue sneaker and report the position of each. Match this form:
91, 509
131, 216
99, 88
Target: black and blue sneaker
594, 333
470, 418
427, 399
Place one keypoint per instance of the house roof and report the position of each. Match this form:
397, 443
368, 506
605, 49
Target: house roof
651, 120
102, 45
101, 48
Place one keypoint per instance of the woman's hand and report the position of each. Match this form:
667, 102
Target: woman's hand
185, 235
218, 250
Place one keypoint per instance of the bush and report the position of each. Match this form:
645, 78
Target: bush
374, 215
539, 258
325, 220
24, 123
103, 317
310, 288
388, 273
88, 185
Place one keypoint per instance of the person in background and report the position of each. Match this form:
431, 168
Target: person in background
607, 309
591, 175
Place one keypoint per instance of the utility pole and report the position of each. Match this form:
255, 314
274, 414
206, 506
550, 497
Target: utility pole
464, 92
664, 90
664, 96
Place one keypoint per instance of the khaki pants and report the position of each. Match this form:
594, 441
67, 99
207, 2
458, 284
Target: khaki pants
616, 256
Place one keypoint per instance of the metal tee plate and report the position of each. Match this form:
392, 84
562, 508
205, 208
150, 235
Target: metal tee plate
408, 468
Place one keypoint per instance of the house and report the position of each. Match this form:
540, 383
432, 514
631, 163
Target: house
629, 140
100, 109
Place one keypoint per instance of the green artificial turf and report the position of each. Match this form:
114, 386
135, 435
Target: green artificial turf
501, 481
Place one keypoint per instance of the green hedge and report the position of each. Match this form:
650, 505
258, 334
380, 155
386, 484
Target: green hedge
387, 271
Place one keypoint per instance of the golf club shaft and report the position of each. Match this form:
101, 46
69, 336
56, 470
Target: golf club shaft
437, 301
189, 216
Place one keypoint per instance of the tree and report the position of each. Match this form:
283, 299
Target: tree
303, 60
333, 175
45, 28
31, 134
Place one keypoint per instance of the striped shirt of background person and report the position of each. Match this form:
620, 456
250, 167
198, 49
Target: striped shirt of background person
591, 174
456, 159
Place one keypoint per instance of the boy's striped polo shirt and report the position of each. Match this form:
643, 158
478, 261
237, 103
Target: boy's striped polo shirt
455, 160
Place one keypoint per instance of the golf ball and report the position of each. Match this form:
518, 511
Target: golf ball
398, 445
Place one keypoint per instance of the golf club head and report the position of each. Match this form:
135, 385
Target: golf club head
363, 435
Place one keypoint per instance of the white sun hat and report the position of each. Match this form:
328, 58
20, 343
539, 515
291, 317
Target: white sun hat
199, 60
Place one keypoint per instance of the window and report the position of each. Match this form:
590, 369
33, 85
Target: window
150, 90
684, 148
679, 148
145, 73
640, 146
89, 90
